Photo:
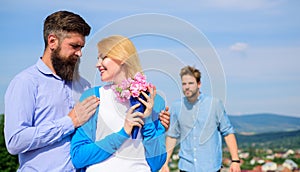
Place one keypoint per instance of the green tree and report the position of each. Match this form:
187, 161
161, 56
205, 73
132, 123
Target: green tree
8, 162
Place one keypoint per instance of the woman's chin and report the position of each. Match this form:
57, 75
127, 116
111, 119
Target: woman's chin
103, 79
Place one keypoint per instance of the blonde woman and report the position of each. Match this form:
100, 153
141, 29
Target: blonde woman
104, 142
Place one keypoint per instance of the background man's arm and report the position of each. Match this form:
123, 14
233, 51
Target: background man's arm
233, 149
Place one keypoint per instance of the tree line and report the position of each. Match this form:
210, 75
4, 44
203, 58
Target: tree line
9, 162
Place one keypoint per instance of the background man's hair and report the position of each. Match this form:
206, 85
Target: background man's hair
189, 70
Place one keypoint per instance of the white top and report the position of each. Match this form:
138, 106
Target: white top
130, 157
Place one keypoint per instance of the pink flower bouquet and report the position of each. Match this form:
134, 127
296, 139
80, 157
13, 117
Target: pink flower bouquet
130, 89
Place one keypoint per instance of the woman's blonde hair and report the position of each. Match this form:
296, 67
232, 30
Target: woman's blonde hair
121, 50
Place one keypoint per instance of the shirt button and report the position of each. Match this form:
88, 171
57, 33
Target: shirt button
195, 149
195, 160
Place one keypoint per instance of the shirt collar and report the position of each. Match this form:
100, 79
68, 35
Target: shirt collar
42, 67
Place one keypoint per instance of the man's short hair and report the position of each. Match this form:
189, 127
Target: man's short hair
189, 70
62, 22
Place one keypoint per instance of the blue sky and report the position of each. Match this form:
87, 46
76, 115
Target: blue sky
257, 44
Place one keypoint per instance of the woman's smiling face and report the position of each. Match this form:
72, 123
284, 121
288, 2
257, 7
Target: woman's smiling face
109, 69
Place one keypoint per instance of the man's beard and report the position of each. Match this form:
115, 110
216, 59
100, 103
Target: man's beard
194, 93
67, 68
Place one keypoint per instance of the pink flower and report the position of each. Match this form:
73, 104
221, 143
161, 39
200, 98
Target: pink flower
125, 94
131, 87
140, 78
125, 83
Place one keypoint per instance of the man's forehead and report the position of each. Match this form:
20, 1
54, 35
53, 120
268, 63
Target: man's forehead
188, 78
75, 39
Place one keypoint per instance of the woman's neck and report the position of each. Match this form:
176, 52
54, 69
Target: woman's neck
119, 78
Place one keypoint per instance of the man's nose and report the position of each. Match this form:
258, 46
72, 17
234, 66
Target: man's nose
186, 88
78, 53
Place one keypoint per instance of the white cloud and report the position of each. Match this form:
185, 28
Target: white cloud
244, 5
239, 47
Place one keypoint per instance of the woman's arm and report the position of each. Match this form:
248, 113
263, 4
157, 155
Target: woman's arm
154, 143
85, 152
154, 139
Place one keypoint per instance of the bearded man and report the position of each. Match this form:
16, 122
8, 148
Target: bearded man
40, 110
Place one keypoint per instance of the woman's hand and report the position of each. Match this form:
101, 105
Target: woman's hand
133, 119
149, 101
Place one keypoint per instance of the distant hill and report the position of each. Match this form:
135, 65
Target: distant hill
288, 139
264, 123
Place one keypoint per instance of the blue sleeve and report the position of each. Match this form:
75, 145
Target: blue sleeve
225, 126
154, 139
174, 130
21, 133
84, 150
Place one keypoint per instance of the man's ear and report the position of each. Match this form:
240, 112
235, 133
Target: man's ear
199, 84
52, 41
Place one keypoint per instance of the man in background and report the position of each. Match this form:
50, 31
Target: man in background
200, 122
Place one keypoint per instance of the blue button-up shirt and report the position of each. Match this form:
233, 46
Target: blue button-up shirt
200, 127
37, 127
